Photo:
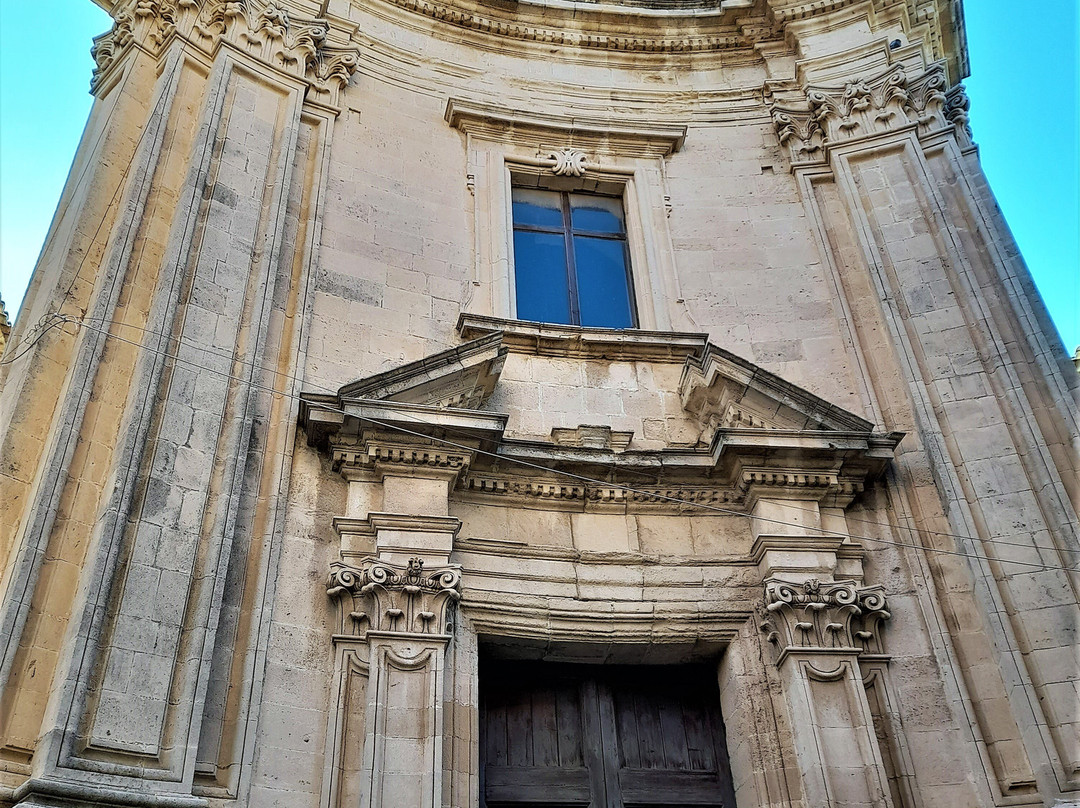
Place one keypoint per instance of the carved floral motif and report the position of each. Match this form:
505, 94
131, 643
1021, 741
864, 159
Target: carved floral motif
819, 615
867, 107
377, 596
568, 162
265, 31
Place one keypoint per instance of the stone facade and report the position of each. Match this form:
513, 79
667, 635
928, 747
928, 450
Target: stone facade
281, 470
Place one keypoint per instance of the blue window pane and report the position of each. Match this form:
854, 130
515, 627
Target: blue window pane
602, 283
600, 214
540, 276
537, 208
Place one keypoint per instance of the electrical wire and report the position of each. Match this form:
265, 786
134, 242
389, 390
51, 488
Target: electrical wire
580, 477
266, 368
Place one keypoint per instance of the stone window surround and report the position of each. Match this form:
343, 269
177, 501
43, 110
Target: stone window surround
507, 148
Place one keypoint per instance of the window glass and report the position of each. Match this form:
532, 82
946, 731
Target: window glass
540, 276
570, 259
599, 214
601, 268
537, 208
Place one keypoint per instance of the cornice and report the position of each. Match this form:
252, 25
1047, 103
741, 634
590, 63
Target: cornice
727, 392
592, 133
568, 341
315, 51
553, 493
624, 28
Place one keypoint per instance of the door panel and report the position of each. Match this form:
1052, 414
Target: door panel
601, 736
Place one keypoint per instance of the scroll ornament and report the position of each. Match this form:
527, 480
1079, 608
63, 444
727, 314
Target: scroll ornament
377, 596
568, 162
264, 30
865, 107
824, 616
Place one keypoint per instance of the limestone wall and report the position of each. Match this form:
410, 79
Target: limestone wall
282, 465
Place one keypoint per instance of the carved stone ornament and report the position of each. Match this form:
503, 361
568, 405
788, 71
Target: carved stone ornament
265, 31
867, 107
568, 162
371, 454
817, 616
377, 596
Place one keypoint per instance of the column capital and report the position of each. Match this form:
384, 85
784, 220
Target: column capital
823, 616
376, 596
317, 51
811, 120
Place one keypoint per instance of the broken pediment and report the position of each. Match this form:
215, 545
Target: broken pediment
758, 431
439, 395
461, 378
724, 391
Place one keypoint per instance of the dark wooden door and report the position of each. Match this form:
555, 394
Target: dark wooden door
584, 736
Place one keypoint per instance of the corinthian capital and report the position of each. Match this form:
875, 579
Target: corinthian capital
864, 107
816, 616
306, 48
376, 596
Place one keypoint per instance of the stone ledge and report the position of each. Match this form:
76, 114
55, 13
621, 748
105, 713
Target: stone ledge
579, 342
613, 135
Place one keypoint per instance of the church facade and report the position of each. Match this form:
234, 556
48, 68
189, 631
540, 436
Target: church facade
459, 403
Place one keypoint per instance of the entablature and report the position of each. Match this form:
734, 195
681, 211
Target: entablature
785, 443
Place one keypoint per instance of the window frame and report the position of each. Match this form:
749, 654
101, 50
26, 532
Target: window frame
623, 155
568, 231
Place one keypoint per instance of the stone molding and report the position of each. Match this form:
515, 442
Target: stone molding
267, 32
376, 596
592, 436
827, 487
721, 389
580, 342
459, 378
578, 495
403, 458
615, 135
817, 616
644, 30
867, 107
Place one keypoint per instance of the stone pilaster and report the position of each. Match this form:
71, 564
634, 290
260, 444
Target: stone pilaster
887, 164
396, 593
115, 685
396, 620
819, 630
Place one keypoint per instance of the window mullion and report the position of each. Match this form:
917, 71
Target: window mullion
571, 266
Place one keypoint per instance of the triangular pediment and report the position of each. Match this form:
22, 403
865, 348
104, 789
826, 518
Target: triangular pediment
724, 391
461, 378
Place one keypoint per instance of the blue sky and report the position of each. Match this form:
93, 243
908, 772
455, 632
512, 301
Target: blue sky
1023, 91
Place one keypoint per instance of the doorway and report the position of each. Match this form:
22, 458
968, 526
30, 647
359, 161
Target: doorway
555, 735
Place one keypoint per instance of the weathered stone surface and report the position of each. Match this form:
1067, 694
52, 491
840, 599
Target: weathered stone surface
283, 346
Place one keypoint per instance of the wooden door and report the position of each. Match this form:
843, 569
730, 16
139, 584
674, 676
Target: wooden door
584, 736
